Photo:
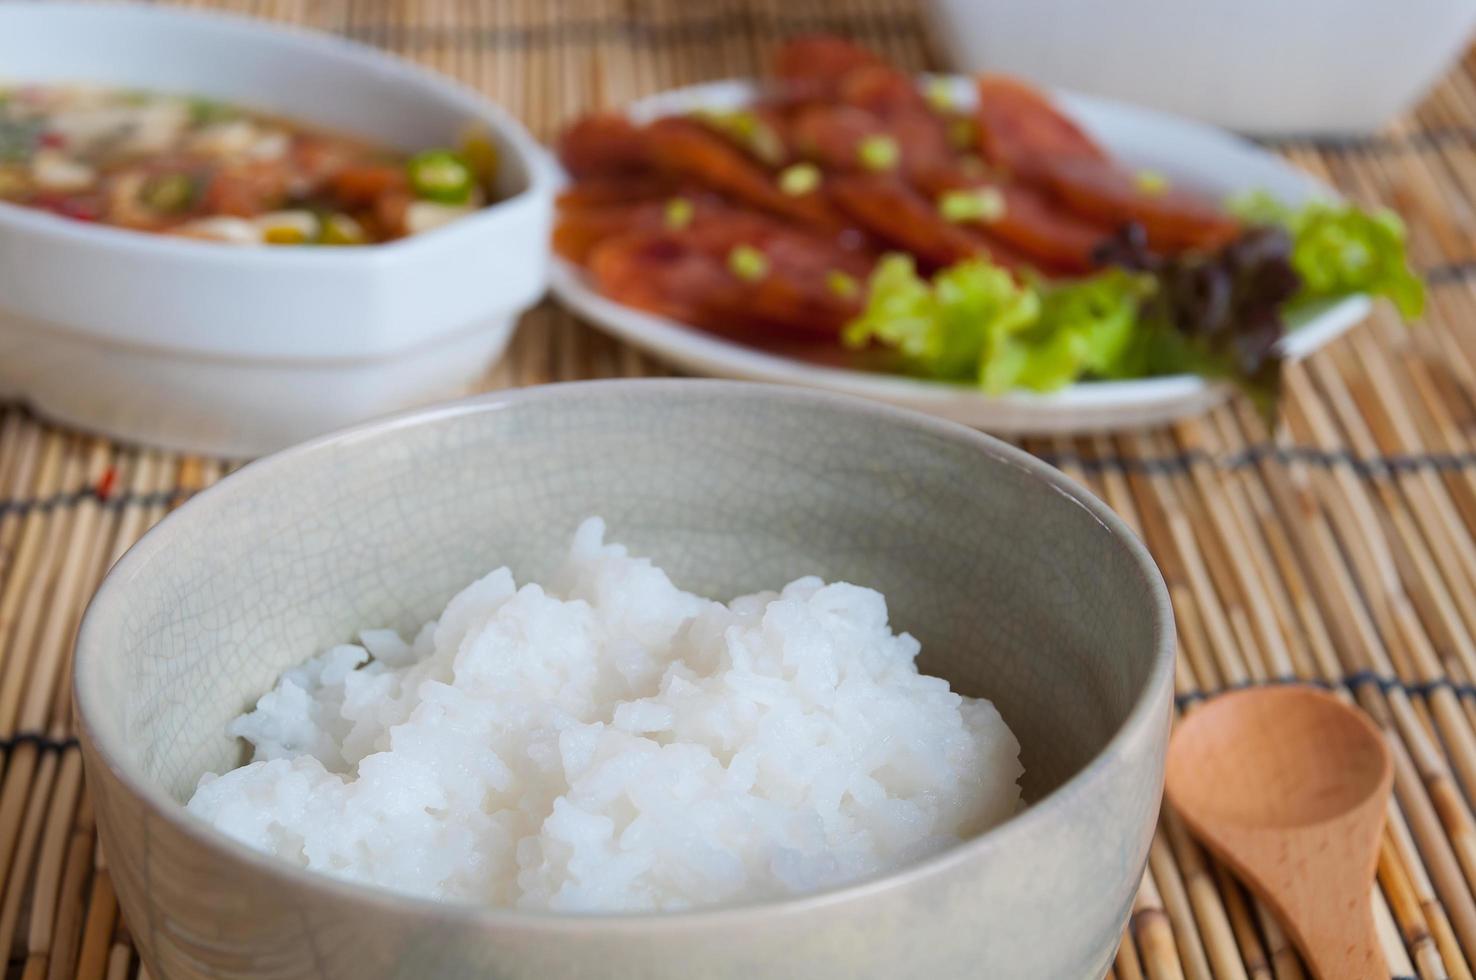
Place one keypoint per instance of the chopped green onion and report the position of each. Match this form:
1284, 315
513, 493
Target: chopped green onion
748, 263
939, 95
340, 229
962, 134
203, 112
984, 204
169, 193
678, 214
842, 284
747, 129
19, 139
1150, 182
802, 178
878, 152
441, 176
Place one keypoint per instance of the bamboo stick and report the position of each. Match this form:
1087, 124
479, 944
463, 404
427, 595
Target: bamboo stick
1259, 544
13, 888
1126, 965
41, 580
1248, 944
22, 442
96, 949
120, 957
120, 960
21, 573
1286, 964
1198, 584
35, 968
1154, 935
1440, 921
70, 591
1303, 616
1237, 542
1210, 915
1178, 908
1394, 952
53, 853
1408, 916
17, 788
67, 933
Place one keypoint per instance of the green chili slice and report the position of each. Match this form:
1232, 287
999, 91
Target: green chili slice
340, 229
441, 176
169, 193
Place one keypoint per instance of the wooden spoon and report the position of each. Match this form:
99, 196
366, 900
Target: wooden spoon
1288, 786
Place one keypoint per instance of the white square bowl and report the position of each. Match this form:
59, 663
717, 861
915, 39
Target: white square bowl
238, 351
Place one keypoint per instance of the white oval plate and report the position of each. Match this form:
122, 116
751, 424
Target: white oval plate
1197, 155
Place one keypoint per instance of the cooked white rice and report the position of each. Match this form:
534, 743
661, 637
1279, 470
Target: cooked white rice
612, 743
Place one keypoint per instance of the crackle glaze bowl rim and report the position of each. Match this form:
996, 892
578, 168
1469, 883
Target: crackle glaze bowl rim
1150, 704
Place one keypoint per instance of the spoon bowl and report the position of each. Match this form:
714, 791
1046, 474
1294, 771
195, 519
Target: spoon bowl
1289, 787
1324, 759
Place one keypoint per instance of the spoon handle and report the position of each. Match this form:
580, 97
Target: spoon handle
1348, 950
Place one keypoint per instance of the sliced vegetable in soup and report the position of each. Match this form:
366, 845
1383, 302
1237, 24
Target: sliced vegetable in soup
202, 169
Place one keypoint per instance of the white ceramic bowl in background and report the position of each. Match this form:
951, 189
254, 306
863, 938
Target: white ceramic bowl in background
1262, 66
238, 351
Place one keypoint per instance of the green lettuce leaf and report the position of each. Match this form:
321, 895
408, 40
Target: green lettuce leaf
1339, 249
1218, 314
974, 322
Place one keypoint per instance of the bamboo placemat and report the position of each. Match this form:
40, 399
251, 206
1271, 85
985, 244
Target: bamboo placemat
1342, 550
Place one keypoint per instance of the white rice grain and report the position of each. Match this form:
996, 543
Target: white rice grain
616, 744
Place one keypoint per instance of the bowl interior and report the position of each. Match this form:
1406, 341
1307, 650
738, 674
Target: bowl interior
297, 74
1017, 585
